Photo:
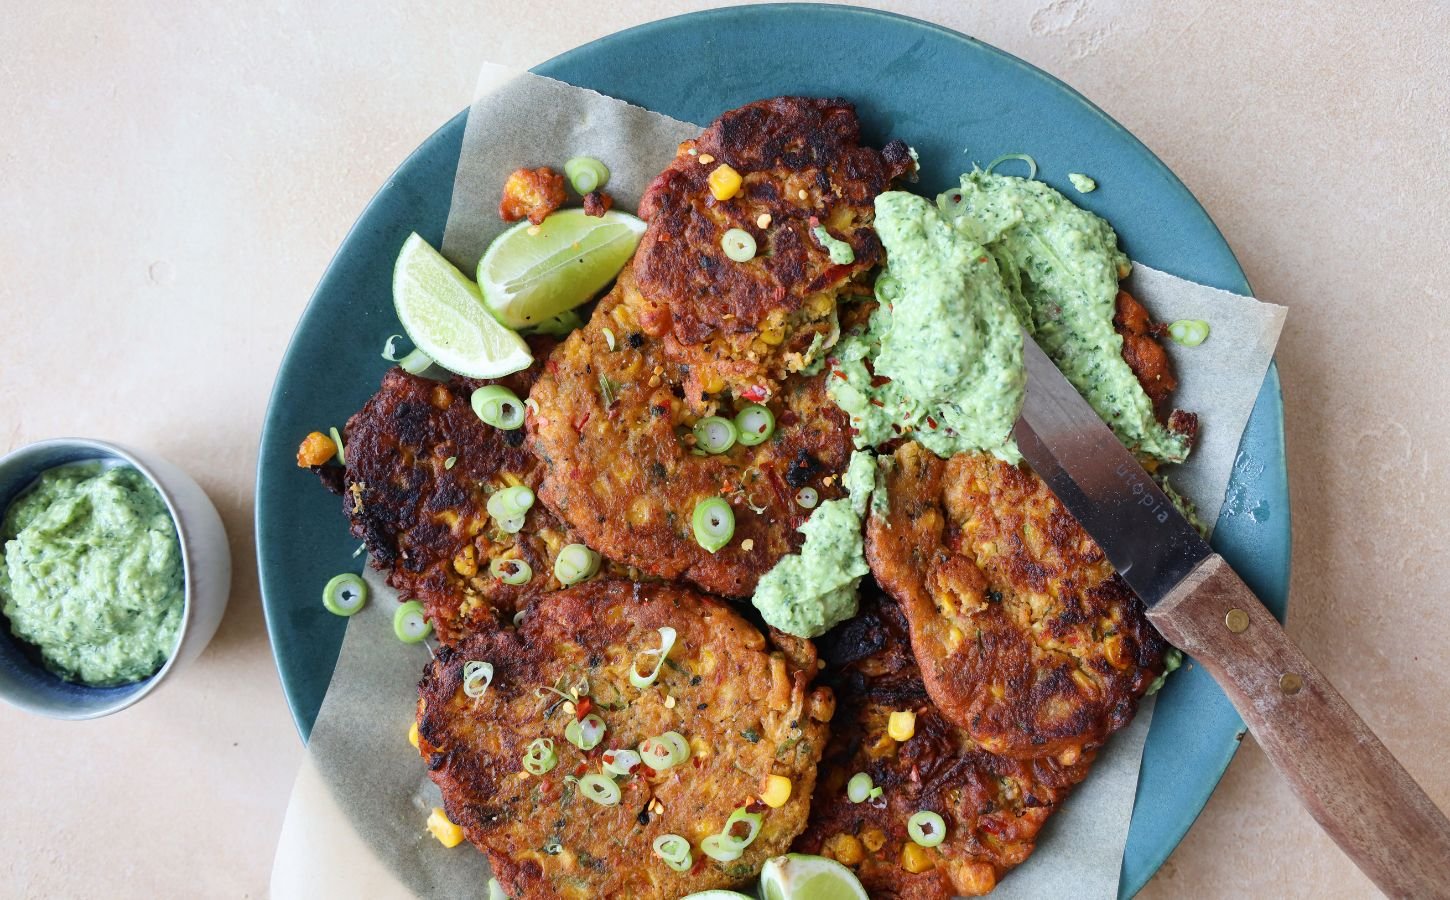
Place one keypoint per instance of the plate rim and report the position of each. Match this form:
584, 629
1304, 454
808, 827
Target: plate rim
1271, 390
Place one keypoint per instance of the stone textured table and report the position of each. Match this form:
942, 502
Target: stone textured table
177, 175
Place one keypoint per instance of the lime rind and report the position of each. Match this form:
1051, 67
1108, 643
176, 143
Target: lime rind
531, 274
444, 315
798, 876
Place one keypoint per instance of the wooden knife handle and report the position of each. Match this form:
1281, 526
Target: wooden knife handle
1346, 778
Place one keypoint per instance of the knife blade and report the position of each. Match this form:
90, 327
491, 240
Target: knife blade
1357, 791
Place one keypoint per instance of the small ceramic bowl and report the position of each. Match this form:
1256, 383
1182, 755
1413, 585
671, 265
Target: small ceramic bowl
206, 566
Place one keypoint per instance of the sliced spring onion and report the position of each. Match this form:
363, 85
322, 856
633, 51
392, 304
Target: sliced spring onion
511, 502
477, 676
511, 571
807, 497
495, 890
721, 848
756, 424
621, 762
361, 548
410, 623
888, 289
498, 406
608, 338
585, 733
450, 462
575, 563
510, 524
586, 174
345, 594
540, 758
713, 522
600, 788
1188, 332
390, 349
667, 643
337, 442
415, 363
715, 434
1031, 163
876, 794
665, 751
926, 828
750, 820
858, 788
738, 244
519, 617
674, 850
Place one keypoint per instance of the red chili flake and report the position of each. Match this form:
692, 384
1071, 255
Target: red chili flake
584, 421
982, 260
755, 806
875, 402
815, 221
581, 709
989, 825
879, 380
755, 393
581, 769
930, 421
839, 374
833, 361
553, 366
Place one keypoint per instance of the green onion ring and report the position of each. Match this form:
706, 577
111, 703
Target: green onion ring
752, 822
926, 828
738, 244
667, 643
608, 338
665, 751
1186, 332
721, 848
390, 349
621, 762
876, 793
511, 571
600, 788
807, 498
715, 434
1031, 163
345, 594
477, 676
586, 174
756, 424
713, 523
410, 623
508, 507
415, 363
540, 758
585, 733
498, 406
674, 850
858, 787
575, 563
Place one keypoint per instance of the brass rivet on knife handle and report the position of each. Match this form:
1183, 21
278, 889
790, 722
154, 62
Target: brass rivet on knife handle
1236, 621
1291, 683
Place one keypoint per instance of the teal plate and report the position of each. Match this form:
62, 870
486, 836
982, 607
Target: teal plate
953, 98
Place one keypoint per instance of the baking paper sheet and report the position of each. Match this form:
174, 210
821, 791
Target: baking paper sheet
363, 795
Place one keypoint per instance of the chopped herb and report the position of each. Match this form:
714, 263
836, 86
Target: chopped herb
751, 735
608, 389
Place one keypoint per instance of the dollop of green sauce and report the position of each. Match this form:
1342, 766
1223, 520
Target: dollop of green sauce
91, 573
807, 593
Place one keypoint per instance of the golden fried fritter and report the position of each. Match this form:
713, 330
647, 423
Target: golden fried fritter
746, 712
531, 193
747, 324
615, 435
424, 520
993, 806
1141, 350
1025, 635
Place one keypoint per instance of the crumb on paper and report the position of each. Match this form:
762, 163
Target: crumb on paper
1083, 183
531, 194
597, 203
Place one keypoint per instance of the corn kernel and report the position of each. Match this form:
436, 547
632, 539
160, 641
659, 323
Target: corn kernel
316, 449
724, 182
466, 563
413, 735
442, 828
777, 791
845, 849
915, 859
902, 725
874, 839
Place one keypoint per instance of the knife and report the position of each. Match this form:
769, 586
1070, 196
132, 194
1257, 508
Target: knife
1344, 776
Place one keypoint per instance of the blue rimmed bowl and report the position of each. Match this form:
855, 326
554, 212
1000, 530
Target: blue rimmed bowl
206, 573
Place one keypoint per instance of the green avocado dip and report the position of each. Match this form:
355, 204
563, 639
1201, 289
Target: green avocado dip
806, 593
91, 573
944, 345
944, 335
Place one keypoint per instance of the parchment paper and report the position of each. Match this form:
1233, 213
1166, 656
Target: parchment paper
378, 794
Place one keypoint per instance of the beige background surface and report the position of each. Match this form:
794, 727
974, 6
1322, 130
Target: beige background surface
176, 177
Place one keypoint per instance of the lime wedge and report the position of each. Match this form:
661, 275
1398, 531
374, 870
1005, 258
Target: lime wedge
530, 275
717, 895
444, 315
797, 876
